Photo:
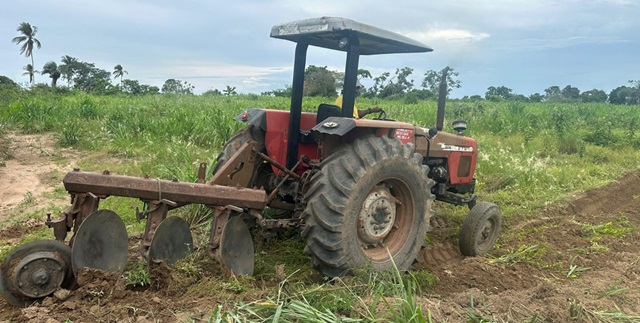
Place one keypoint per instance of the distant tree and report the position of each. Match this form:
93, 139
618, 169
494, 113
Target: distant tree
498, 93
212, 92
28, 38
621, 95
150, 89
386, 85
519, 98
51, 68
88, 78
552, 92
319, 81
570, 92
9, 91
364, 74
286, 92
173, 86
594, 95
379, 82
130, 87
135, 88
536, 97
635, 96
29, 71
432, 79
403, 84
119, 72
67, 68
5, 81
229, 90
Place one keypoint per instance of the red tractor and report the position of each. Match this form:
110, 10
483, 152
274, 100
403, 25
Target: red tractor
360, 190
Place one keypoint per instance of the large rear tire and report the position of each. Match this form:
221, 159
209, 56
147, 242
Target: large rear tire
369, 200
236, 141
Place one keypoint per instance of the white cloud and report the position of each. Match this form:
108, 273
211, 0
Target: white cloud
205, 75
447, 35
200, 69
124, 10
564, 42
621, 2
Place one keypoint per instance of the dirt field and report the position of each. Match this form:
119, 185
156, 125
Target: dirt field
576, 261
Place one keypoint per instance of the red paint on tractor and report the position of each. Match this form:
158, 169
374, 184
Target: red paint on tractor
458, 150
277, 136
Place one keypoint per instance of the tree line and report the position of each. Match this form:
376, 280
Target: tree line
620, 95
319, 81
85, 76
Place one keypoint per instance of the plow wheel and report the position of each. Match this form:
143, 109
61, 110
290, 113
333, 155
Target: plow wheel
100, 243
171, 242
35, 270
481, 229
369, 204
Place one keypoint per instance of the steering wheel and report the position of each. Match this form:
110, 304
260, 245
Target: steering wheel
381, 115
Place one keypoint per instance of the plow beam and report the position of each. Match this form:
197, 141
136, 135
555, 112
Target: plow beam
156, 189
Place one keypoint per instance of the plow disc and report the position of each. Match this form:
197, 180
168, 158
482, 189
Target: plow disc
236, 247
101, 243
35, 270
171, 242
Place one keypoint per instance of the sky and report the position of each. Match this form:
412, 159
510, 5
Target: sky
525, 45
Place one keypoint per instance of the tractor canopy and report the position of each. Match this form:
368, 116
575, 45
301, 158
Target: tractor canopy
339, 34
334, 33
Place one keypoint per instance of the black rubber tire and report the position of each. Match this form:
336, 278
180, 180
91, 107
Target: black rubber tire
7, 288
480, 230
335, 199
236, 141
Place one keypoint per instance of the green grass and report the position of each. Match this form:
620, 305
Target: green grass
524, 254
530, 155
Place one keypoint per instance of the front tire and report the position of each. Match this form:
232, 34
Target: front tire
480, 230
369, 200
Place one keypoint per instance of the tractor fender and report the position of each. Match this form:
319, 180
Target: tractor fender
335, 126
342, 126
256, 117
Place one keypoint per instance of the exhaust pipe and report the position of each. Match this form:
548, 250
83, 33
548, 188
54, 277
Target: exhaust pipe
442, 96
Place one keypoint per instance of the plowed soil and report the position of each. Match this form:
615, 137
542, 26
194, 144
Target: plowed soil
576, 260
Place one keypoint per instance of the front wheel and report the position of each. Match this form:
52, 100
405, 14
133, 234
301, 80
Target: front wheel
480, 230
369, 204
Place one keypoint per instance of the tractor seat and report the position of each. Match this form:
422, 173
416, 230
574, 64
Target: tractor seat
326, 111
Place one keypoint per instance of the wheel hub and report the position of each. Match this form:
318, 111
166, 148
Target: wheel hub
486, 232
39, 274
377, 216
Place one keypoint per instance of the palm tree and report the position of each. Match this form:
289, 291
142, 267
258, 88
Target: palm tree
51, 68
230, 90
118, 71
67, 68
29, 71
28, 38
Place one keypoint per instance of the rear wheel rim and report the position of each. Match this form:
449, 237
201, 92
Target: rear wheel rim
394, 194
